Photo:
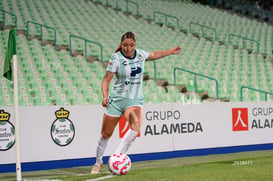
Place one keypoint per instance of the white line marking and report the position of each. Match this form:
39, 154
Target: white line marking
102, 178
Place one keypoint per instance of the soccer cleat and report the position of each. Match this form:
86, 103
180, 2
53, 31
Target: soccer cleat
96, 168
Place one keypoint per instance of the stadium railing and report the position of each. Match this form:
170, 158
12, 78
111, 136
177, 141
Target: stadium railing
41, 27
256, 90
244, 39
85, 45
195, 79
155, 71
166, 16
155, 78
4, 13
118, 7
203, 27
134, 3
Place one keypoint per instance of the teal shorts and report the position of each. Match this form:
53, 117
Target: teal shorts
117, 105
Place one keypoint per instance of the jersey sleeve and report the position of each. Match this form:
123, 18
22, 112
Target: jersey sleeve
112, 65
144, 54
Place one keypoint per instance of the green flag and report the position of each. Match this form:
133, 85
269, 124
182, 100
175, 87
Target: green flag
9, 54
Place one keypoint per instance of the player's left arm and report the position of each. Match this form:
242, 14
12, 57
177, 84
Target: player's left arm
163, 53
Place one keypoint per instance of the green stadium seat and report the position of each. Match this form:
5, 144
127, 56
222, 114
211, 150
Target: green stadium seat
58, 71
7, 96
183, 98
194, 98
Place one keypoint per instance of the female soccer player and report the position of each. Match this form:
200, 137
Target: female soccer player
126, 98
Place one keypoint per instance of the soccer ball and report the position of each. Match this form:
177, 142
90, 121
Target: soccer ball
119, 164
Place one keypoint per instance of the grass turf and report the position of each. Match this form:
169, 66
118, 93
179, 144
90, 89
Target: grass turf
256, 165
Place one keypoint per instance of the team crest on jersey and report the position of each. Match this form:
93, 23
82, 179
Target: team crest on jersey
141, 57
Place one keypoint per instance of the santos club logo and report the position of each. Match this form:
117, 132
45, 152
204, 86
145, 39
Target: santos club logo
62, 129
7, 131
239, 119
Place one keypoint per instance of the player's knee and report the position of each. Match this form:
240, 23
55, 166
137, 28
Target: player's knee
134, 121
106, 135
135, 127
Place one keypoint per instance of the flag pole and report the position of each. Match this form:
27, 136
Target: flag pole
16, 113
11, 73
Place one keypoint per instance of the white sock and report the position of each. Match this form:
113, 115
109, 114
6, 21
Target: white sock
100, 149
128, 138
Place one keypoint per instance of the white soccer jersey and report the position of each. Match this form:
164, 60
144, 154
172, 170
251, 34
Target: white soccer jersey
129, 74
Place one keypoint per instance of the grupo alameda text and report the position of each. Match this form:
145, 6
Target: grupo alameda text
263, 117
172, 123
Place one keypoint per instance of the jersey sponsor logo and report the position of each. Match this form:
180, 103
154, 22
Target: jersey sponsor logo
128, 82
135, 71
125, 62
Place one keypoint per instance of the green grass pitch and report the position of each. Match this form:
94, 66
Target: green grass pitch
255, 165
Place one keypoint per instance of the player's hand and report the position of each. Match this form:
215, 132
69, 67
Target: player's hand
176, 50
105, 102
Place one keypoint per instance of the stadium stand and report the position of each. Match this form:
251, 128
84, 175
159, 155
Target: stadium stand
50, 77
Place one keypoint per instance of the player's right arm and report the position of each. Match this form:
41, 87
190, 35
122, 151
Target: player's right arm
105, 87
163, 53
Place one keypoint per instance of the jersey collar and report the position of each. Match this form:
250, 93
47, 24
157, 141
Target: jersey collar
128, 57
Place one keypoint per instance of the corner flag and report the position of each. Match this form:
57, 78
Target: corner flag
9, 54
10, 72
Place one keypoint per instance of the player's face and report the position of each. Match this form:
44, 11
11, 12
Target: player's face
128, 47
